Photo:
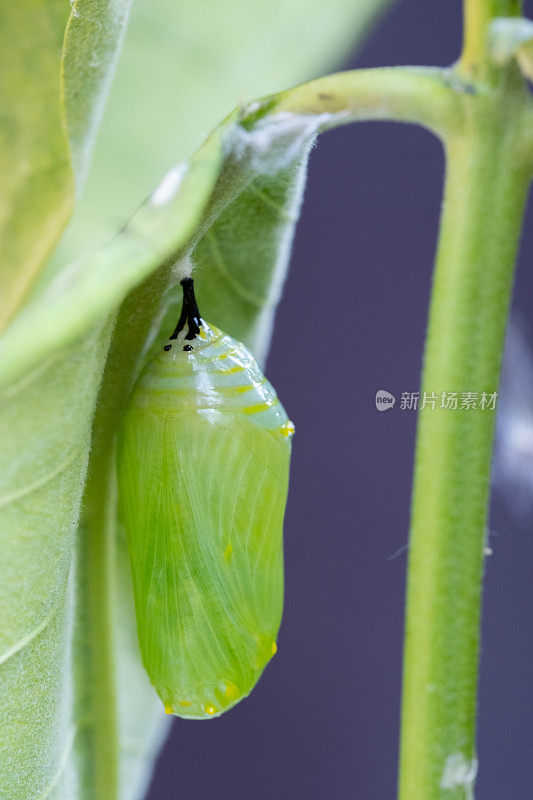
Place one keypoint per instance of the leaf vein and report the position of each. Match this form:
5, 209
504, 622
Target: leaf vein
268, 201
49, 476
21, 644
220, 264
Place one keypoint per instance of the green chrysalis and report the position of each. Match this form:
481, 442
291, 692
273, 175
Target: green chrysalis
203, 468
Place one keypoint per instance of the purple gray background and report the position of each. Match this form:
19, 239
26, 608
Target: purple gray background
324, 720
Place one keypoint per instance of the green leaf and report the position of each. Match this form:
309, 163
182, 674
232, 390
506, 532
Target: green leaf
37, 188
92, 44
241, 260
56, 61
45, 437
182, 67
88, 289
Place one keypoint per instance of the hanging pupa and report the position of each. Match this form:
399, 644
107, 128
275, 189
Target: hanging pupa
203, 468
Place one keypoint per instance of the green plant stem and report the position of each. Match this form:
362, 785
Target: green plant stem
477, 17
99, 554
97, 581
420, 95
485, 193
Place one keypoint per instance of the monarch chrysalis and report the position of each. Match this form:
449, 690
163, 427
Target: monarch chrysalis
203, 466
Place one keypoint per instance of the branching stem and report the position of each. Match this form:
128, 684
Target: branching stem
486, 187
430, 97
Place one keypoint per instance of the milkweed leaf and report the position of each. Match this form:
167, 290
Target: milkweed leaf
45, 420
43, 459
93, 38
183, 66
37, 184
56, 61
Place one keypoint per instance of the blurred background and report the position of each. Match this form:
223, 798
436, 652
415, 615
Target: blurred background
324, 720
